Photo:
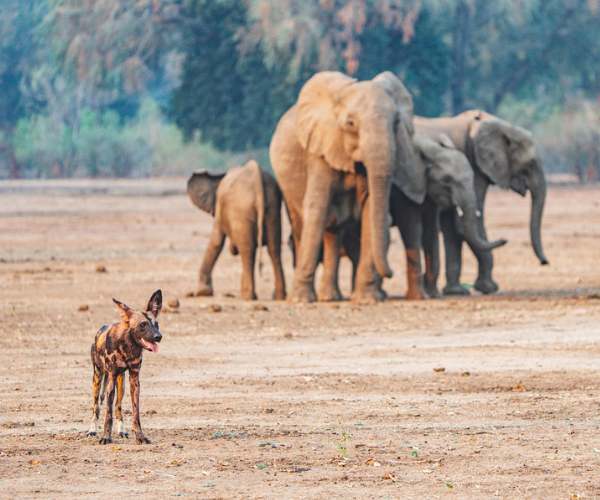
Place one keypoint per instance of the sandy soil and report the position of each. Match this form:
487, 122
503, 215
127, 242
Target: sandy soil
467, 398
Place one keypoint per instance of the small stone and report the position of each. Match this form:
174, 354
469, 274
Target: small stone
173, 303
101, 269
440, 369
288, 335
189, 295
260, 307
215, 308
83, 307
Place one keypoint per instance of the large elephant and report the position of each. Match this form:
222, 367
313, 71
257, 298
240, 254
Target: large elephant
339, 131
499, 153
246, 204
449, 180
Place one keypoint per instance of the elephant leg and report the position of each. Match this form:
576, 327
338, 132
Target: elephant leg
245, 241
410, 224
431, 248
315, 208
274, 248
453, 247
368, 283
211, 254
329, 290
485, 260
351, 243
248, 254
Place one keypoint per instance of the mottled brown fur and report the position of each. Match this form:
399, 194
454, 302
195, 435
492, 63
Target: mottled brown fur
118, 348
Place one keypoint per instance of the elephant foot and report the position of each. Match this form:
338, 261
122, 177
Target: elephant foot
248, 295
329, 294
432, 291
303, 294
486, 286
456, 290
369, 295
204, 290
415, 294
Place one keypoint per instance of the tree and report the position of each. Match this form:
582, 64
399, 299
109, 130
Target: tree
18, 21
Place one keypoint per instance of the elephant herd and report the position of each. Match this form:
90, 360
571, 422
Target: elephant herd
350, 160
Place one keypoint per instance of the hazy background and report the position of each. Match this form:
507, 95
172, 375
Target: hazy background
98, 88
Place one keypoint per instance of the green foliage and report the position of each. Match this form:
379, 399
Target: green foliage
227, 91
103, 146
81, 81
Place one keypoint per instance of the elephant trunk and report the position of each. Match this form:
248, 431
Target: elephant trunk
470, 220
537, 186
381, 145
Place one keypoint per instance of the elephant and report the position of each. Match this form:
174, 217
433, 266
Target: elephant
246, 204
339, 133
449, 183
499, 153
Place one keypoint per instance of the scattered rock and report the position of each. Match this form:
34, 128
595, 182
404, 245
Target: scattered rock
190, 294
297, 470
519, 388
269, 410
83, 307
466, 374
260, 307
101, 269
440, 369
288, 335
173, 303
229, 295
216, 308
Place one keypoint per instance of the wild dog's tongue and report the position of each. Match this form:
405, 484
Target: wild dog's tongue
154, 347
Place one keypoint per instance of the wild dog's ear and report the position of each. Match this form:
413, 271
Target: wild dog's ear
124, 310
155, 303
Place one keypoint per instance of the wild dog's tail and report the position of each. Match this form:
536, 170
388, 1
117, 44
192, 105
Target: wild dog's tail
260, 209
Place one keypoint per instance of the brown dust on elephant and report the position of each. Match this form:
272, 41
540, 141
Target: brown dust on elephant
449, 183
499, 153
338, 128
246, 204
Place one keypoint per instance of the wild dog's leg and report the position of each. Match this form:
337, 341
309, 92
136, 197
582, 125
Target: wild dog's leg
118, 410
96, 381
110, 390
134, 384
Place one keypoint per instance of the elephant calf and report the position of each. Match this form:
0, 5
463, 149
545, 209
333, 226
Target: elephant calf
246, 204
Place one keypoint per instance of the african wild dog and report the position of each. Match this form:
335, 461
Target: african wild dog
118, 348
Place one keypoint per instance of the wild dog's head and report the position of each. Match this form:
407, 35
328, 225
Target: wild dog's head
143, 325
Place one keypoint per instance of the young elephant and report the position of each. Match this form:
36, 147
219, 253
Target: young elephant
449, 185
449, 179
246, 204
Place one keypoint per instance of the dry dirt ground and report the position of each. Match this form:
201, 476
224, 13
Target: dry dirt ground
467, 398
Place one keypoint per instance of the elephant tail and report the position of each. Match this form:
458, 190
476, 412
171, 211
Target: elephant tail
260, 210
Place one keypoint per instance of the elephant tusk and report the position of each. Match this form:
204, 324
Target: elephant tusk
459, 211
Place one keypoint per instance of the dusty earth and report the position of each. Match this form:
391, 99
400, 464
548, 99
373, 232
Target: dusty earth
467, 398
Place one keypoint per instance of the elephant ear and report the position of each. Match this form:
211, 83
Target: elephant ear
396, 89
317, 124
490, 150
202, 190
409, 174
